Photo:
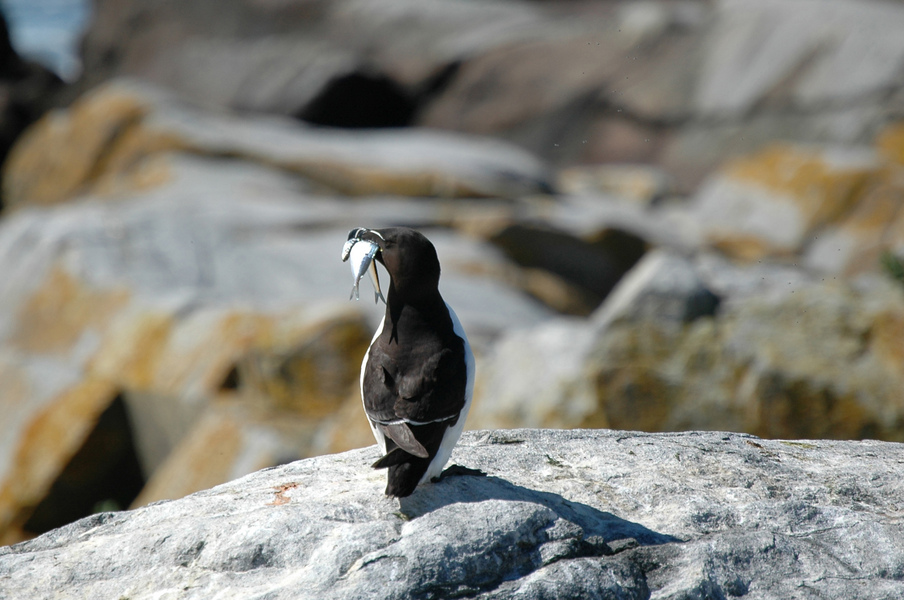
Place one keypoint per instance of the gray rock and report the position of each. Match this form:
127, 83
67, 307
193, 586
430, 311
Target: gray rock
564, 514
232, 233
450, 162
545, 376
795, 61
701, 343
663, 286
538, 377
281, 57
682, 85
764, 205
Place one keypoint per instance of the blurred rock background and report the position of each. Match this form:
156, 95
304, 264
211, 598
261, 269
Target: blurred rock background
654, 215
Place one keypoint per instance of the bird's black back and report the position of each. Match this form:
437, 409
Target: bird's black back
416, 372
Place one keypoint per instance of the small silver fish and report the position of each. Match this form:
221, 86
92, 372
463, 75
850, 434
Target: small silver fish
352, 240
360, 254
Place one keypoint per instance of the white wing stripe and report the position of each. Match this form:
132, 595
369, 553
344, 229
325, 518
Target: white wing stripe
412, 422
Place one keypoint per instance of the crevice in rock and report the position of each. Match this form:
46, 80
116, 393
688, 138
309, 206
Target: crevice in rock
594, 266
232, 380
361, 100
368, 99
103, 475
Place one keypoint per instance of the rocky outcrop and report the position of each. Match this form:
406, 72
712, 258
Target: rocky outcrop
172, 285
680, 85
335, 63
702, 344
837, 207
172, 280
569, 514
182, 263
117, 128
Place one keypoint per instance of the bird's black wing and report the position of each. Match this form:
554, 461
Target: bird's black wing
420, 385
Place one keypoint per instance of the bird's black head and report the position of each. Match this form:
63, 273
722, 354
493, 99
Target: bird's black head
409, 258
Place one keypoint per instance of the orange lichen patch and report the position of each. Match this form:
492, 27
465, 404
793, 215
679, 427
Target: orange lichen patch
133, 348
891, 142
872, 226
879, 205
14, 535
238, 333
15, 393
46, 445
137, 160
281, 498
894, 234
58, 156
203, 459
823, 191
97, 145
744, 247
61, 310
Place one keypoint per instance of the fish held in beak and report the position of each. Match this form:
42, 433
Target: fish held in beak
360, 254
354, 236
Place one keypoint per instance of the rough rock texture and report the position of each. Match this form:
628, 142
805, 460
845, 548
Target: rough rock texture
564, 514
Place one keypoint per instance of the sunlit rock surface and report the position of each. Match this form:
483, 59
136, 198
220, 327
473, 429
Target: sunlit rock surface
566, 514
174, 314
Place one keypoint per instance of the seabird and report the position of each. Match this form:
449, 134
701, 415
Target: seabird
417, 377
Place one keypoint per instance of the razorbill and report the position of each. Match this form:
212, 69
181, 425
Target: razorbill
417, 377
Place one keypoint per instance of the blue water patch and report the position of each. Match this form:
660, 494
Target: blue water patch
48, 31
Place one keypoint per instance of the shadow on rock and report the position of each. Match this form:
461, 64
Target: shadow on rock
603, 532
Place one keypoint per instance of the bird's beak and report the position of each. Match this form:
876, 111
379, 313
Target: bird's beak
375, 237
375, 277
